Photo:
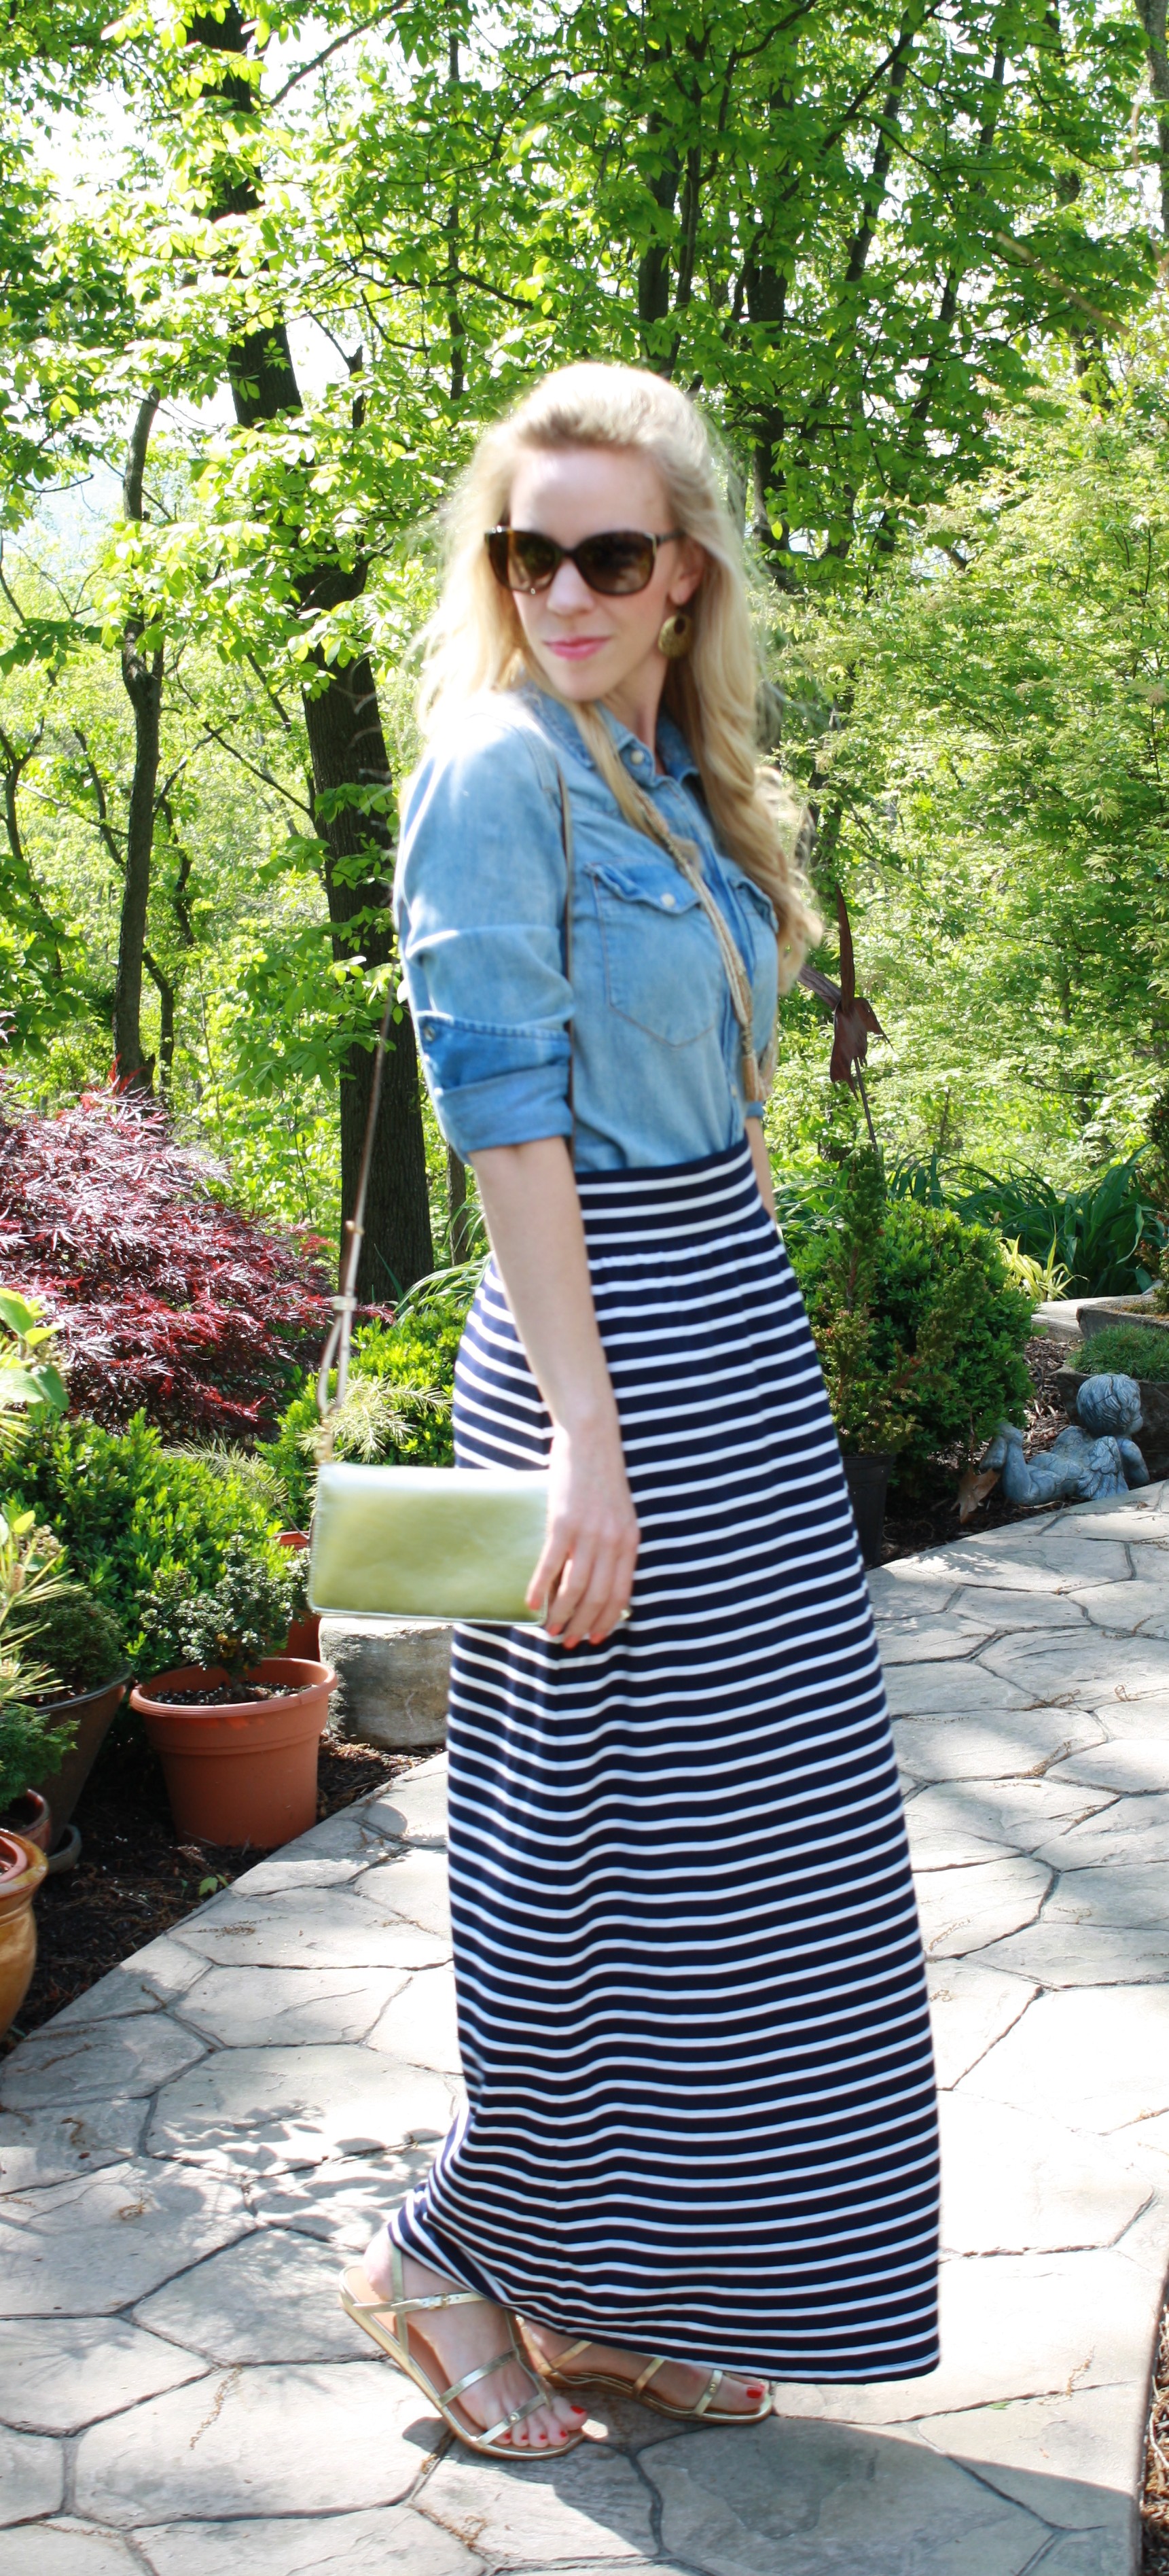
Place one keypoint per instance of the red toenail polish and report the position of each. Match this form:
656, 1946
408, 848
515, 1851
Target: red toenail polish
580, 2410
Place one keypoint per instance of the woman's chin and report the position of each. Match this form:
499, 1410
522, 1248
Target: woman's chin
579, 680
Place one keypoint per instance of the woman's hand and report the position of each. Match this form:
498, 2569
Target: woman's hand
586, 1571
530, 1201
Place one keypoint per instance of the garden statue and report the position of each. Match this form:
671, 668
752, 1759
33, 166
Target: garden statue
1082, 1465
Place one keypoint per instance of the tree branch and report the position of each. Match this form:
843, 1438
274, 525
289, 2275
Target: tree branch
307, 69
136, 458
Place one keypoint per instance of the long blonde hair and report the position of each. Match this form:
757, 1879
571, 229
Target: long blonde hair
475, 640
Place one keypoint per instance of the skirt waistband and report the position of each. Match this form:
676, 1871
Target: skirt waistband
674, 1198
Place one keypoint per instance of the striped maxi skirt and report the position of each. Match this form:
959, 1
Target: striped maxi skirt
701, 2118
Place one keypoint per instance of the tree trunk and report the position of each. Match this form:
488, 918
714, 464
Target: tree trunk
347, 748
653, 267
142, 679
166, 1018
1152, 15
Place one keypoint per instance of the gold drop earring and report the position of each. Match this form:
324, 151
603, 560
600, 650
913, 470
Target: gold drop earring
677, 635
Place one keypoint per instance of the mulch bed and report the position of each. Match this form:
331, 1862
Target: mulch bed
135, 1878
1155, 2501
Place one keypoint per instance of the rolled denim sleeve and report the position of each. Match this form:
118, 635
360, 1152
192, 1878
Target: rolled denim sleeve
479, 902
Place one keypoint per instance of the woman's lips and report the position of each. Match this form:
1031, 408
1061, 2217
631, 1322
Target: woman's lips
577, 648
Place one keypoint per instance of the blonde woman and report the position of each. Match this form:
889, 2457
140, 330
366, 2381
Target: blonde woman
700, 2153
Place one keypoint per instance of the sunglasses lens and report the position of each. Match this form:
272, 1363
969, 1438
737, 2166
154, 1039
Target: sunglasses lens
531, 559
520, 559
617, 564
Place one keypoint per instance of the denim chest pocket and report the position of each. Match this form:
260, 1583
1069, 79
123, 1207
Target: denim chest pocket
662, 965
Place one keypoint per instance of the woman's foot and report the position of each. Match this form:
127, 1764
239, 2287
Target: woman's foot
677, 2383
448, 2342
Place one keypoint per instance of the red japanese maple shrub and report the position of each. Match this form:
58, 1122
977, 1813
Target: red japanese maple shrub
170, 1301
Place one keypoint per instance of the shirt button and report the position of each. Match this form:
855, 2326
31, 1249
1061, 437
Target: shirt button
638, 756
668, 901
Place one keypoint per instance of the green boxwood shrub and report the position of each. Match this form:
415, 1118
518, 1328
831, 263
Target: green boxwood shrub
32, 1748
417, 1355
922, 1261
77, 1635
1129, 1349
130, 1511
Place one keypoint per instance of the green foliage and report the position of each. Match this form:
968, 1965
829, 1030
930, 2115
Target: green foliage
31, 1584
227, 1628
1096, 1239
397, 1411
133, 1513
78, 1634
985, 736
32, 1748
919, 1332
1129, 1349
1106, 1233
32, 1388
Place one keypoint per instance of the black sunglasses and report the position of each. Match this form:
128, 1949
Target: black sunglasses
615, 564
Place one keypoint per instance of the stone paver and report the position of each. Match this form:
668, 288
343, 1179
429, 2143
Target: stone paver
89, 2062
254, 2110
58, 2146
186, 2154
55, 2373
282, 2438
334, 2544
32, 2476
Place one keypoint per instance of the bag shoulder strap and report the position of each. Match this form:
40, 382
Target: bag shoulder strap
569, 856
685, 857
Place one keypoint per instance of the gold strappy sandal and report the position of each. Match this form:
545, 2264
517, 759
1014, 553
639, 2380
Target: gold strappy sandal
703, 2406
393, 2341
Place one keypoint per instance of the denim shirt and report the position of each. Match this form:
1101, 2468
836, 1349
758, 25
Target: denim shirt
479, 901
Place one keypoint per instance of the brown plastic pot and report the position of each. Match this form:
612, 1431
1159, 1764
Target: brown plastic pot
867, 1476
22, 1867
246, 1772
304, 1636
91, 1715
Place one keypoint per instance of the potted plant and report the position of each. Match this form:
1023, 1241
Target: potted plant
29, 1745
22, 1867
236, 1725
83, 1642
871, 1421
919, 1331
75, 1683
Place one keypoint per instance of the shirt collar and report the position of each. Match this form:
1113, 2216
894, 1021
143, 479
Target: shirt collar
674, 751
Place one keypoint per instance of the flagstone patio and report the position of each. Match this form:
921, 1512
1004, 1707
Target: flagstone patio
185, 2153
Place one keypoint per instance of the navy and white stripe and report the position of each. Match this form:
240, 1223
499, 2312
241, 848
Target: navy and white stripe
691, 1996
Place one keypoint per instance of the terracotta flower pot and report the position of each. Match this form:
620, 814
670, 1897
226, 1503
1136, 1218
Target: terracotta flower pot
22, 1867
304, 1636
29, 1817
246, 1772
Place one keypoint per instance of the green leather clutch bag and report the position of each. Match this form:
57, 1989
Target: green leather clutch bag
427, 1542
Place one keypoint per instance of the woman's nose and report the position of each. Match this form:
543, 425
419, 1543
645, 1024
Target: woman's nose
566, 592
